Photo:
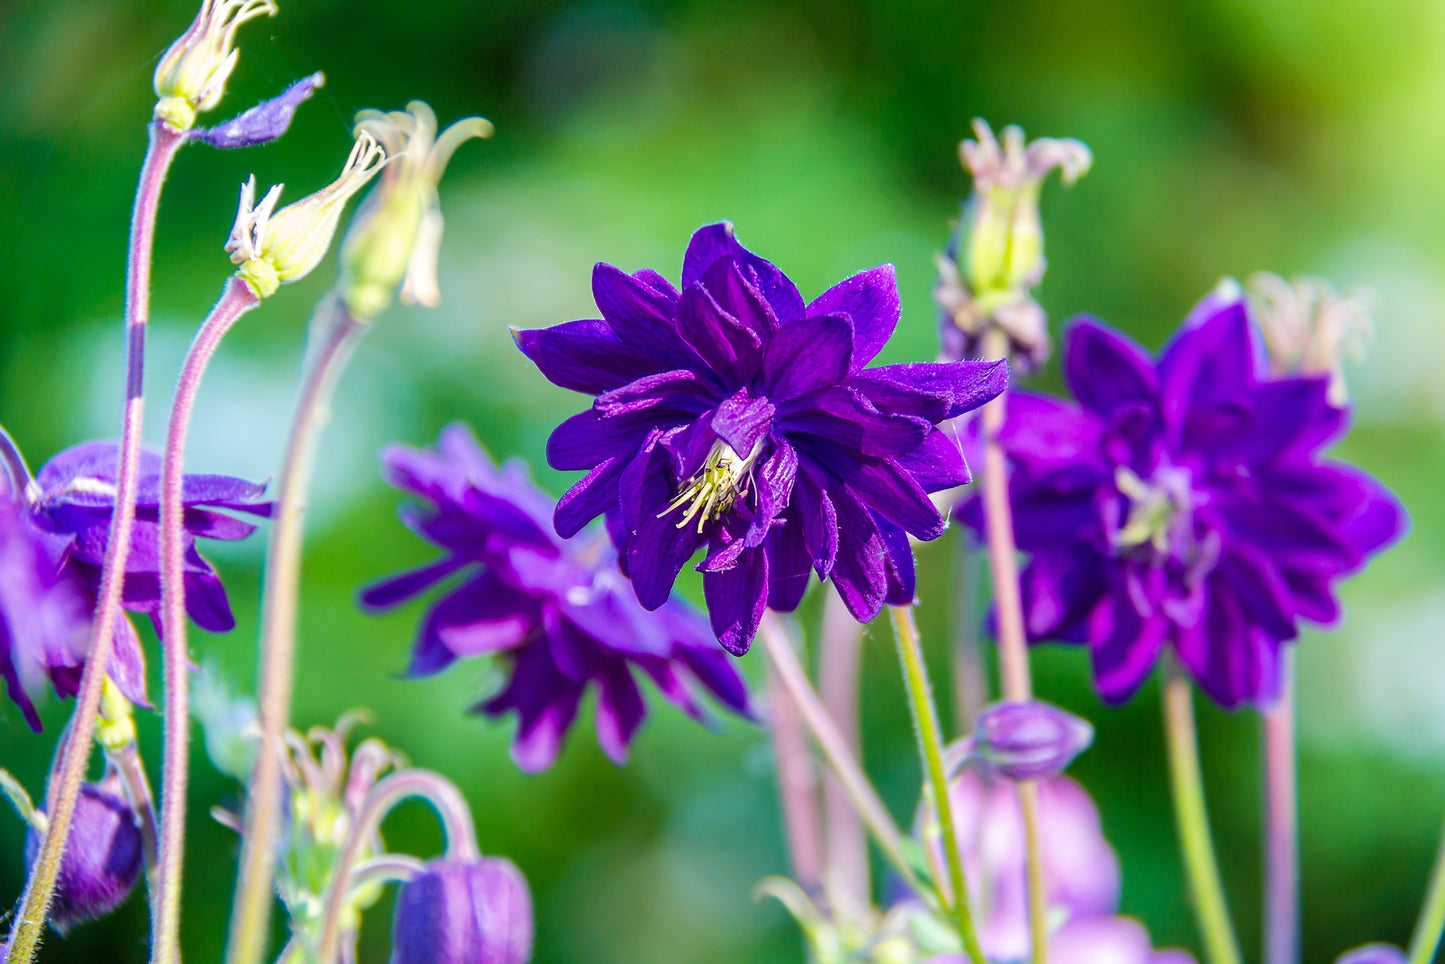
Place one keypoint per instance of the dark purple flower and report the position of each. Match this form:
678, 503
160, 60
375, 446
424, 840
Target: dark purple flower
1183, 502
732, 415
74, 497
43, 621
102, 856
558, 609
263, 123
1029, 740
464, 912
1373, 954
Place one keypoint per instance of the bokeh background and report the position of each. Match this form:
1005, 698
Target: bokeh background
1229, 135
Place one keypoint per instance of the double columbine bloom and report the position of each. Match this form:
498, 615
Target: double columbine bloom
733, 416
52, 546
1183, 503
556, 609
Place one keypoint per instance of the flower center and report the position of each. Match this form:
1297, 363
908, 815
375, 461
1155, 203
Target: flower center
1158, 510
710, 493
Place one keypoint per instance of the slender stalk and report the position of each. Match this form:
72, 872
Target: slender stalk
336, 333
970, 682
236, 300
930, 747
22, 486
1425, 942
845, 851
25, 933
797, 786
835, 751
1281, 826
137, 785
1192, 819
1012, 643
450, 806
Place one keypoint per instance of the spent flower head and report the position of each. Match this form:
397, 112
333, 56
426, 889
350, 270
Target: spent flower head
191, 76
395, 239
997, 253
1309, 327
274, 247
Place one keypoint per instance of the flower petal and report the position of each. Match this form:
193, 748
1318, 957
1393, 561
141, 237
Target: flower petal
716, 241
870, 301
1126, 646
1104, 369
736, 599
584, 356
966, 384
639, 311
859, 570
594, 494
790, 566
620, 710
806, 355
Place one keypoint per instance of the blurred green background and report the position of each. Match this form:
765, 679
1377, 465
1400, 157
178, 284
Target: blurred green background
1229, 136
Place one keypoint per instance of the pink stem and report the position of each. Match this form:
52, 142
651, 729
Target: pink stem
1281, 807
338, 332
845, 867
236, 300
25, 934
797, 785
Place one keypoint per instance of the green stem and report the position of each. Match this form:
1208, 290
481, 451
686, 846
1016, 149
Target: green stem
930, 745
1426, 939
1192, 820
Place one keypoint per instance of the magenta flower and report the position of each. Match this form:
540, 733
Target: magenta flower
557, 609
73, 498
733, 416
1184, 502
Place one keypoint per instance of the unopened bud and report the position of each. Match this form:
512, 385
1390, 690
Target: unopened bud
276, 247
1309, 327
395, 239
1373, 954
464, 912
1029, 740
192, 74
103, 855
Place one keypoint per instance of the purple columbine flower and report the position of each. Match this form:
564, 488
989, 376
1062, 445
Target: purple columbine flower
558, 609
102, 856
73, 499
732, 415
1183, 502
464, 912
1028, 740
43, 620
1373, 954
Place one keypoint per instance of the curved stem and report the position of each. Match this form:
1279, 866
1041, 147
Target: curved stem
22, 486
835, 750
930, 747
236, 300
337, 333
1426, 939
137, 785
1192, 820
1012, 642
797, 787
1281, 823
845, 852
379, 870
450, 806
25, 934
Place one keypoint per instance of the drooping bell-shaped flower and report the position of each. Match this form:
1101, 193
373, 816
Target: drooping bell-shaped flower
1373, 954
464, 912
103, 855
1028, 740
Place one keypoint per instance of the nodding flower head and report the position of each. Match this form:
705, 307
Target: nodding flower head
276, 247
997, 253
1309, 327
1028, 740
192, 75
464, 912
102, 855
395, 239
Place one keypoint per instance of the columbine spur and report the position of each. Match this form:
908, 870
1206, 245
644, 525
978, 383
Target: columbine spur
732, 415
1183, 503
557, 609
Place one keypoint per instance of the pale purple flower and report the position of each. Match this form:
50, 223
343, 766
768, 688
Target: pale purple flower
464, 912
102, 856
1028, 740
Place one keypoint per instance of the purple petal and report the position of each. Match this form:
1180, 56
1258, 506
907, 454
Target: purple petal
898, 570
790, 565
895, 495
806, 355
1126, 647
640, 311
1259, 587
773, 484
716, 241
620, 710
870, 301
593, 495
846, 418
265, 122
584, 356
679, 390
730, 344
736, 599
859, 570
1060, 588
657, 548
1208, 365
742, 421
820, 523
1105, 370
546, 704
588, 439
967, 384
937, 464
398, 589
715, 671
1043, 433
206, 603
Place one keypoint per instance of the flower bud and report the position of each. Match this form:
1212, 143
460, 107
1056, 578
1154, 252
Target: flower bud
395, 239
464, 912
102, 856
1029, 741
1373, 954
275, 247
192, 74
1309, 327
